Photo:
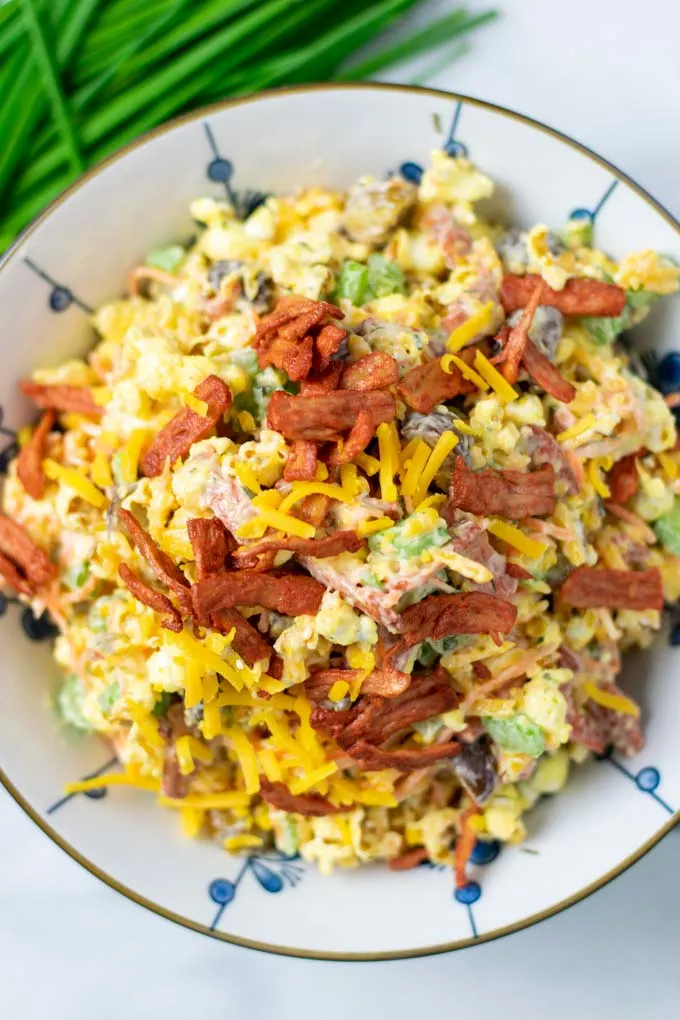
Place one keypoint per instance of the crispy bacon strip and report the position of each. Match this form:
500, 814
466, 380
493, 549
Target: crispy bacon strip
510, 494
382, 683
374, 371
518, 337
14, 578
29, 464
516, 571
293, 356
331, 545
302, 462
248, 642
173, 783
373, 759
481, 671
577, 297
294, 595
544, 373
361, 434
599, 728
427, 385
439, 616
623, 478
161, 564
294, 316
602, 588
186, 428
411, 859
211, 543
148, 596
326, 417
322, 382
311, 804
19, 547
57, 397
327, 344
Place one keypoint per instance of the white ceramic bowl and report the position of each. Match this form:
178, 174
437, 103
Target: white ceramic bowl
77, 256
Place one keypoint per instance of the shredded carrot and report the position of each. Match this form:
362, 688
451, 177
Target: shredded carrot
465, 844
630, 518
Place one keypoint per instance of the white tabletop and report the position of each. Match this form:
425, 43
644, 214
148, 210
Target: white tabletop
604, 71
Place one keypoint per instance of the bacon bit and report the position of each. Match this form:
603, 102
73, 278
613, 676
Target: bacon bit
327, 344
248, 642
173, 783
141, 273
19, 547
373, 759
521, 667
411, 859
161, 564
314, 509
186, 428
311, 804
518, 572
320, 548
323, 382
16, 580
518, 337
481, 671
439, 616
599, 728
507, 494
577, 297
148, 596
294, 357
427, 385
465, 844
211, 543
374, 371
568, 659
361, 434
630, 518
302, 462
325, 417
29, 464
381, 683
275, 668
544, 449
544, 373
76, 399
672, 400
623, 478
602, 588
293, 595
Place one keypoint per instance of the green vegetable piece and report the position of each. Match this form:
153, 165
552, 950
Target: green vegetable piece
108, 697
667, 529
352, 283
169, 258
384, 277
605, 330
76, 576
162, 705
69, 703
518, 734
246, 358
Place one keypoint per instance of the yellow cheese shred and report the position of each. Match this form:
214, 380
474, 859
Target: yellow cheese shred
284, 522
245, 841
504, 391
211, 724
338, 691
313, 778
471, 569
75, 480
669, 465
371, 527
516, 538
389, 448
468, 373
114, 779
188, 749
100, 472
208, 801
617, 702
469, 329
270, 765
246, 476
129, 456
417, 462
369, 465
577, 430
598, 482
246, 755
191, 821
442, 448
302, 489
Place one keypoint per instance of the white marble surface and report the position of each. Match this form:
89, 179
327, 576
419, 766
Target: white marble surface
604, 71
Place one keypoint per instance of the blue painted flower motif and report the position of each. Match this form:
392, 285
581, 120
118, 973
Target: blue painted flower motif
453, 147
591, 214
98, 793
647, 780
272, 872
60, 297
221, 170
668, 373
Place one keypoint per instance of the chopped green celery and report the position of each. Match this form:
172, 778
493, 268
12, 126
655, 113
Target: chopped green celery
578, 232
667, 529
255, 400
384, 277
68, 702
368, 578
108, 697
169, 258
518, 734
605, 330
407, 546
287, 837
162, 705
431, 649
428, 728
76, 576
352, 282
246, 358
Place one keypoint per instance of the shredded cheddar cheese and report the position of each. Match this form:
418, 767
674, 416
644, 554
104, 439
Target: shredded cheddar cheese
246, 758
75, 480
209, 801
114, 779
388, 445
617, 702
283, 522
501, 387
466, 371
469, 329
576, 431
313, 778
414, 470
100, 472
369, 465
516, 538
338, 691
245, 841
371, 527
301, 489
442, 448
129, 456
597, 481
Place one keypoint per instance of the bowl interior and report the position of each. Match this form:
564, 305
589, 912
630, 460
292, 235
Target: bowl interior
78, 256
